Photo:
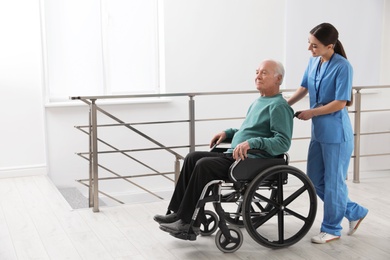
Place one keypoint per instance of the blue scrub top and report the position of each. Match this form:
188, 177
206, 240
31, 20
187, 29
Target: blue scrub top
330, 81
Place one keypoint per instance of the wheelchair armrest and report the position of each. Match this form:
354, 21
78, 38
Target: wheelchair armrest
248, 169
257, 151
217, 149
285, 156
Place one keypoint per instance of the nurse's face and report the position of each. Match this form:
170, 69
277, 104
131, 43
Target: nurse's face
317, 48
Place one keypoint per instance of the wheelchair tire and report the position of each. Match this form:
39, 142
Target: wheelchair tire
293, 210
210, 225
229, 245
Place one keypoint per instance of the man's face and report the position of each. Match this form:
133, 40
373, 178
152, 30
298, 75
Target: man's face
265, 76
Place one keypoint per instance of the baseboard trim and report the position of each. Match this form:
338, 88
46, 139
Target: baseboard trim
23, 171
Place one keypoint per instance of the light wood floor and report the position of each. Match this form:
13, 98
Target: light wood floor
37, 223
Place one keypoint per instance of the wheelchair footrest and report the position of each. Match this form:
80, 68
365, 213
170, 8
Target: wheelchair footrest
185, 236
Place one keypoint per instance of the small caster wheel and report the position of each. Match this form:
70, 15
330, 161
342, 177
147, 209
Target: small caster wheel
210, 225
229, 245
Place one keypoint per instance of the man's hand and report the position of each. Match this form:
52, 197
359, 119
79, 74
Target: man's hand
241, 151
217, 139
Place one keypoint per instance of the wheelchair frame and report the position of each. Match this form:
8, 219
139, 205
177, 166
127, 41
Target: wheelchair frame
258, 212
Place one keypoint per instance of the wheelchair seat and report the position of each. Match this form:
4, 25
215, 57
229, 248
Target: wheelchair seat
246, 170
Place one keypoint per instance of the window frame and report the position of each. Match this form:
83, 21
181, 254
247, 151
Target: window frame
103, 87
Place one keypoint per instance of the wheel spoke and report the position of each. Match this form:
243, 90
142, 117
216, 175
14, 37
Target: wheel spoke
224, 242
260, 220
295, 195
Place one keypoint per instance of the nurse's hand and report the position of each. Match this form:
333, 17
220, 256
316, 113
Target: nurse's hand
306, 114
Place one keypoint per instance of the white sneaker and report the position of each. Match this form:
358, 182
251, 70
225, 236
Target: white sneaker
323, 238
353, 225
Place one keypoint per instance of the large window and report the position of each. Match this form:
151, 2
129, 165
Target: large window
100, 47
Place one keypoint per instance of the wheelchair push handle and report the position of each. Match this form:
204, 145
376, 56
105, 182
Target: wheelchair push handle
297, 113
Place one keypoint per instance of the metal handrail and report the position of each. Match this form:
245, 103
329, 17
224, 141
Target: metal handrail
92, 155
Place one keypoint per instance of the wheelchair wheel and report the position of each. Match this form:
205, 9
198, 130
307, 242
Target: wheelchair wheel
290, 211
210, 225
231, 245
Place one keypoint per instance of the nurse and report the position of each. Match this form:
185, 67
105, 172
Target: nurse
328, 80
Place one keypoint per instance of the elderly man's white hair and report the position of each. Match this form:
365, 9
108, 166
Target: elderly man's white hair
279, 69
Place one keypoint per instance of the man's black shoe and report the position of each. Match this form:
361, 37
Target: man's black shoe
185, 236
179, 227
170, 218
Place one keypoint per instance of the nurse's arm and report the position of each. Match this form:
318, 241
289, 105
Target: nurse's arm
329, 108
300, 93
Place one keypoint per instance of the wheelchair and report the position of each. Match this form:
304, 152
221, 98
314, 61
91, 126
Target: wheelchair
276, 203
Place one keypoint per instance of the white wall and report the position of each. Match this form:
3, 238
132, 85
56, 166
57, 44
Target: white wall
356, 33
209, 46
385, 58
73, 48
207, 40
364, 32
22, 135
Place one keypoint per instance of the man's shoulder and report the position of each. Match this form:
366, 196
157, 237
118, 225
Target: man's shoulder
278, 98
280, 103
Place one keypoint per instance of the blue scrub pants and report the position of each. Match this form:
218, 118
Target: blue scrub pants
327, 168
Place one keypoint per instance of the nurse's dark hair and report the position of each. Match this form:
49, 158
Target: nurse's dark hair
328, 34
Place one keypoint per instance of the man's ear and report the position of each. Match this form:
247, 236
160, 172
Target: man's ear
280, 78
